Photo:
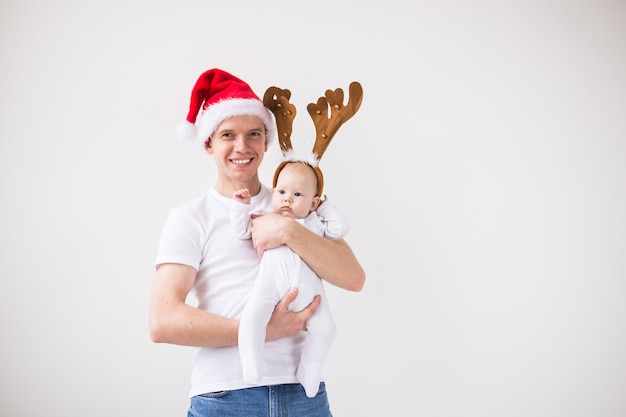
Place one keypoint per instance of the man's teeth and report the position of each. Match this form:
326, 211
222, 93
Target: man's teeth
241, 161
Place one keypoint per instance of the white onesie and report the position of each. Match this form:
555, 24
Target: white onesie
280, 270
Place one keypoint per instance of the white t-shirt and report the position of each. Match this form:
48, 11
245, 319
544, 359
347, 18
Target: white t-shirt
199, 234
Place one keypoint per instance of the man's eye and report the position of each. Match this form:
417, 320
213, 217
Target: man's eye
255, 135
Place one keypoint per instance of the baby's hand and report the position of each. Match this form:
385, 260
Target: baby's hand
243, 196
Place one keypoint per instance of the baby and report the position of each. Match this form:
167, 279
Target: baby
295, 196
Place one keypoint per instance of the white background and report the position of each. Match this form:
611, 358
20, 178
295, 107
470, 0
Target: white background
484, 177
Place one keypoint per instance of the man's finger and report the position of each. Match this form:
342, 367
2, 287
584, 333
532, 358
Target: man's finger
311, 308
288, 298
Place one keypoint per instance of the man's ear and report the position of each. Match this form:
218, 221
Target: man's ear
207, 146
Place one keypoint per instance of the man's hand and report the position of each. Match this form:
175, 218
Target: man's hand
289, 323
268, 231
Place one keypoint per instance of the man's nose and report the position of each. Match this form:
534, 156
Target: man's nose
240, 142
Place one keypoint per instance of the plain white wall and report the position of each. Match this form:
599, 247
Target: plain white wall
484, 176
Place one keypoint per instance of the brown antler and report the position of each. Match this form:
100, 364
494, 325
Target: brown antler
277, 100
326, 127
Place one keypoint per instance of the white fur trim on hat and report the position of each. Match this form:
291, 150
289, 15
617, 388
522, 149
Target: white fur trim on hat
210, 119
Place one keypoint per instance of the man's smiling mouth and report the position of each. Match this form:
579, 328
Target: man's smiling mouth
240, 161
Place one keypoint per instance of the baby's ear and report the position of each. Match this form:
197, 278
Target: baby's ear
315, 203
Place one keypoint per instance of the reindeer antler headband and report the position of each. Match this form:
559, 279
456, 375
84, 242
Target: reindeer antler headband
277, 100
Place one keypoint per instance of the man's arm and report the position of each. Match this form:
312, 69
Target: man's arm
174, 321
331, 260
171, 320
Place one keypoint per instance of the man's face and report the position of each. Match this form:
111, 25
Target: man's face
238, 146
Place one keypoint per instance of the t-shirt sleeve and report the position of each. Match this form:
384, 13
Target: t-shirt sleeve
181, 240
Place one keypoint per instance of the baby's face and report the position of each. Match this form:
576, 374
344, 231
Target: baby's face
294, 194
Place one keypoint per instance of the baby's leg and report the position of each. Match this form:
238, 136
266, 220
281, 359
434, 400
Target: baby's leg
321, 331
269, 288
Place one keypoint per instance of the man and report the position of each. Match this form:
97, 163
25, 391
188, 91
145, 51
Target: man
198, 251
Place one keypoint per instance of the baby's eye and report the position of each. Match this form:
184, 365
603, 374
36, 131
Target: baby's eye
298, 194
281, 191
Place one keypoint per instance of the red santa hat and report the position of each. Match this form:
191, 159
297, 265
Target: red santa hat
216, 96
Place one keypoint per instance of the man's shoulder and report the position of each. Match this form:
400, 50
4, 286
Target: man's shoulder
197, 203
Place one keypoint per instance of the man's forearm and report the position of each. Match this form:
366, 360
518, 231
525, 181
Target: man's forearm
331, 260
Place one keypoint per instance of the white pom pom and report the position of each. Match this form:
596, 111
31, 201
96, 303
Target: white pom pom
186, 130
303, 156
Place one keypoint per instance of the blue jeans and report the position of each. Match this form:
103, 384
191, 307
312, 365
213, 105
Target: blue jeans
287, 400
